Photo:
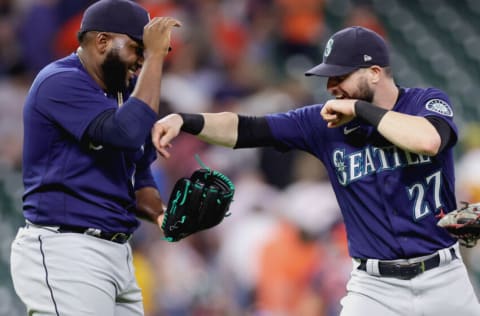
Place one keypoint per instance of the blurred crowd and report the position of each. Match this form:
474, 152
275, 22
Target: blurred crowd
283, 250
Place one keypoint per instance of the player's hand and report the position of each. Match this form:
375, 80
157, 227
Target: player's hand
160, 220
156, 35
338, 112
164, 131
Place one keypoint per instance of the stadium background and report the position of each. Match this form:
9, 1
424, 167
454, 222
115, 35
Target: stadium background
283, 251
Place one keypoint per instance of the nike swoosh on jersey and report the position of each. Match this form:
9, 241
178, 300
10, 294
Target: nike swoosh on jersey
347, 130
95, 147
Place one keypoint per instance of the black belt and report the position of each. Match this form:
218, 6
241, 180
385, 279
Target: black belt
119, 238
406, 271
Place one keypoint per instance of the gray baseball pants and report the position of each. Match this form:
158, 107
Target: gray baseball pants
73, 274
443, 291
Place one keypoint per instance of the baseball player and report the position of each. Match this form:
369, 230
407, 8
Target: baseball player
388, 153
86, 159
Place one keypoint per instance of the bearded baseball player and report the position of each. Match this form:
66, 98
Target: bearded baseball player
86, 159
389, 155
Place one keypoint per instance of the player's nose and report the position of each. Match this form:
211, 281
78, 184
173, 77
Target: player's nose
332, 82
332, 88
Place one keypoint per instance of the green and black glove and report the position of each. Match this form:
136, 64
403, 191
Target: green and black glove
197, 203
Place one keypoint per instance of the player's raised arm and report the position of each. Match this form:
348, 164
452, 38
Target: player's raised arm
423, 136
156, 39
420, 137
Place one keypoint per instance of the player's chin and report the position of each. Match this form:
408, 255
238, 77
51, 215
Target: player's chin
131, 75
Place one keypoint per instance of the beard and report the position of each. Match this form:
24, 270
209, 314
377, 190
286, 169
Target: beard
114, 72
365, 93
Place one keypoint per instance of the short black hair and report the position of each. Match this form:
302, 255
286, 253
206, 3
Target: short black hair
81, 36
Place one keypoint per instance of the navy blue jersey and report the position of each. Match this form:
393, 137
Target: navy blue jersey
69, 181
389, 197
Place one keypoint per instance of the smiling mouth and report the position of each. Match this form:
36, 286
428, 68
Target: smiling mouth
340, 95
133, 70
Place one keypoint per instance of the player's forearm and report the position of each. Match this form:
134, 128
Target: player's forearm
412, 133
149, 204
214, 128
220, 129
148, 84
225, 129
229, 129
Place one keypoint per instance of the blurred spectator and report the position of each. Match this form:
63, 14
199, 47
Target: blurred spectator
301, 21
292, 275
70, 15
9, 45
364, 15
468, 183
145, 275
300, 28
180, 273
38, 27
468, 166
244, 233
224, 30
287, 266
468, 188
262, 27
13, 90
167, 171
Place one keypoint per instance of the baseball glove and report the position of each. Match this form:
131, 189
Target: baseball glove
463, 223
197, 203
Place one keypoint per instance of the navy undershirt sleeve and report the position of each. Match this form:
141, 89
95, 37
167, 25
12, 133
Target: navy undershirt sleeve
125, 128
443, 129
255, 132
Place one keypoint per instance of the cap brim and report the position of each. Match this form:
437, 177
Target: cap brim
328, 70
136, 38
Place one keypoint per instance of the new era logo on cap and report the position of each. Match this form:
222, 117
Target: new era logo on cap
350, 49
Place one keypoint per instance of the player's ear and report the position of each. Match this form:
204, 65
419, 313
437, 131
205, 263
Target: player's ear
102, 41
375, 73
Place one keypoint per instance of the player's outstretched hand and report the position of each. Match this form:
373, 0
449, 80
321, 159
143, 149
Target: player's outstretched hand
156, 35
338, 112
164, 131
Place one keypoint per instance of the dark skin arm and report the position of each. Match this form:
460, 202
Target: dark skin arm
150, 205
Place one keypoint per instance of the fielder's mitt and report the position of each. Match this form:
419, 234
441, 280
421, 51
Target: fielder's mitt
197, 203
464, 224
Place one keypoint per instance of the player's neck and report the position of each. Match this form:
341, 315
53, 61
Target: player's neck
90, 67
387, 96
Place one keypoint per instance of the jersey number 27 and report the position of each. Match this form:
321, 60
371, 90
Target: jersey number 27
417, 192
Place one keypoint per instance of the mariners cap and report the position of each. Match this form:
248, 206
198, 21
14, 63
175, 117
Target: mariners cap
116, 16
350, 49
